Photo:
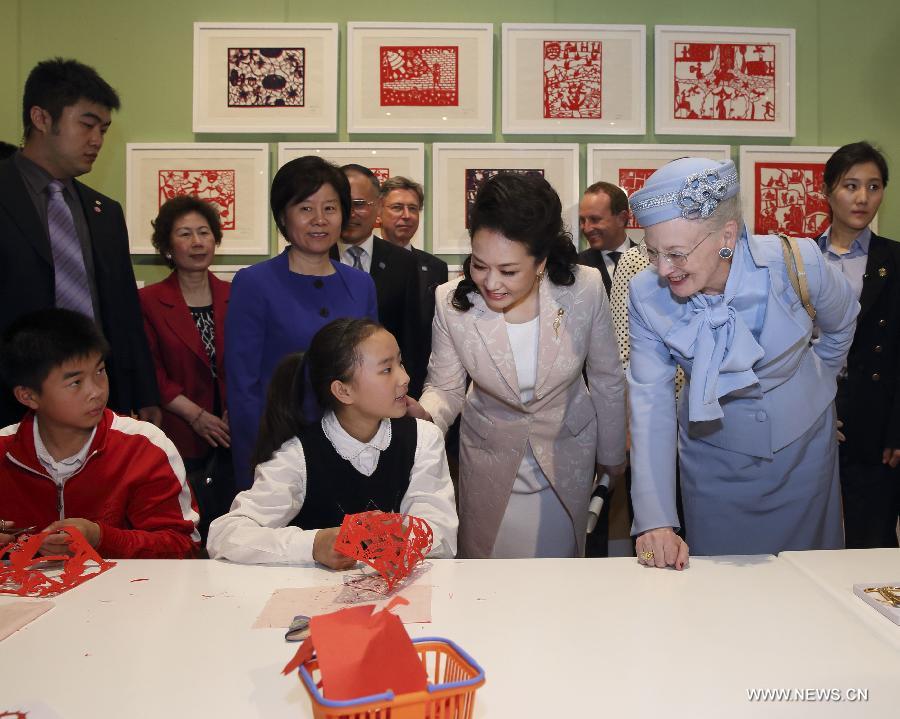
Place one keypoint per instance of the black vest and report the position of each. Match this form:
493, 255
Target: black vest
334, 487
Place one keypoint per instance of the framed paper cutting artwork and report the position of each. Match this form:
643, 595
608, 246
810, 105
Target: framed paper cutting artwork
629, 166
233, 177
783, 190
265, 77
419, 77
459, 169
574, 79
384, 159
725, 81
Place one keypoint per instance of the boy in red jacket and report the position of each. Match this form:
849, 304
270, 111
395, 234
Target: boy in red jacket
71, 461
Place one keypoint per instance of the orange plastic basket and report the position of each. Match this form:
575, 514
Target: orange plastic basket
453, 678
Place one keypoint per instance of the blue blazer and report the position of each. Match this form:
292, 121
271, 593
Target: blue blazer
756, 380
273, 312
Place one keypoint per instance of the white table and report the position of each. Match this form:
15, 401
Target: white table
836, 572
557, 638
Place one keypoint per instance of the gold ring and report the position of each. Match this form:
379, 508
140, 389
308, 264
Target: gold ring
646, 556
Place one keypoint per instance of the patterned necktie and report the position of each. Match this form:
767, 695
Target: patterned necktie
356, 253
72, 291
614, 256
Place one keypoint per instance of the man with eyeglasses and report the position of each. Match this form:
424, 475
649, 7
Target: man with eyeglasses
392, 270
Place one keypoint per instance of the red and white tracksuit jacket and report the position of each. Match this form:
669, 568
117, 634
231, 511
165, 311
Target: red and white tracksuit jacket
132, 484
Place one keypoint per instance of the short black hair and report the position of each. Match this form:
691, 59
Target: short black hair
37, 343
301, 177
849, 155
172, 211
365, 172
56, 84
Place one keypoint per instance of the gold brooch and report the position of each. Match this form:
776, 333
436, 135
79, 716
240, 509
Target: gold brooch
882, 272
558, 321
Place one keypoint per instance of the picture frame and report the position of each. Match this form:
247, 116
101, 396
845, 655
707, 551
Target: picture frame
226, 273
265, 77
385, 159
782, 190
420, 78
554, 79
234, 176
458, 169
738, 81
629, 166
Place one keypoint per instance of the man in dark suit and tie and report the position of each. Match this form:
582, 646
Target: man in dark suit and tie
401, 202
61, 243
393, 271
602, 219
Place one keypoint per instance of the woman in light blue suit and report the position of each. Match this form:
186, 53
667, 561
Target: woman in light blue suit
755, 427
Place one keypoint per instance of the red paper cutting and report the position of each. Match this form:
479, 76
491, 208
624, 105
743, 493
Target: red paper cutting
789, 198
25, 573
361, 653
573, 79
632, 179
215, 186
724, 81
392, 544
419, 76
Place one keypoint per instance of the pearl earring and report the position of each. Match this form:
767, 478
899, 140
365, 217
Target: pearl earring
168, 255
726, 253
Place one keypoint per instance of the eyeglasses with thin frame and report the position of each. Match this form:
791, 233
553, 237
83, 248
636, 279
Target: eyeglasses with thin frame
676, 259
398, 208
360, 205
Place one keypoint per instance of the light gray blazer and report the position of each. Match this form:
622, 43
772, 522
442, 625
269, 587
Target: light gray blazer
569, 428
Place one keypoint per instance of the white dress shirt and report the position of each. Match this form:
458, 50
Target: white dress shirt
365, 259
607, 260
255, 531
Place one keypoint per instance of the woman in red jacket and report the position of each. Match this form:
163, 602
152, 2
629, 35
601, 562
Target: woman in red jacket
184, 317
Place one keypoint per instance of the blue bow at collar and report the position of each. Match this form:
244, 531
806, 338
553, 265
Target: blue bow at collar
722, 347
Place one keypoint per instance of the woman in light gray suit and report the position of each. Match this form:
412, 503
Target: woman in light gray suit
546, 404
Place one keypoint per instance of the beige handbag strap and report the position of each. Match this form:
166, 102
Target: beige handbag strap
793, 260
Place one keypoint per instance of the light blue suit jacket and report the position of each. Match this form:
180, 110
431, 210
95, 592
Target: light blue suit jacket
752, 388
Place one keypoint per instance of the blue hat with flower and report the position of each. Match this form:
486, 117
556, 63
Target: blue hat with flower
691, 188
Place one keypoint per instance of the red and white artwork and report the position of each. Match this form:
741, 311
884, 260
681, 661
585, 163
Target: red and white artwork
789, 199
573, 79
476, 176
382, 173
724, 81
266, 76
420, 76
631, 180
214, 186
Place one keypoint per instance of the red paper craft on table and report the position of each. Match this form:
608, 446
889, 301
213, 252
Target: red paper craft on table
360, 653
24, 575
392, 544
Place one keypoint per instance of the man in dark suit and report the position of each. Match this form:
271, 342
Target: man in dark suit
602, 219
401, 202
393, 271
63, 244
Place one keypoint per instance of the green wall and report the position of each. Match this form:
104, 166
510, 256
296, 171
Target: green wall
846, 54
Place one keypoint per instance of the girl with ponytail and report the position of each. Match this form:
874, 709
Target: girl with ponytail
363, 454
546, 407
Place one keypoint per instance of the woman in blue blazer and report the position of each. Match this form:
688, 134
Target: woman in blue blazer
755, 426
278, 305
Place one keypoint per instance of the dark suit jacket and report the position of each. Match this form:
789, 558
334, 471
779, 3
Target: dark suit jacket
433, 272
182, 364
594, 258
27, 284
393, 271
868, 400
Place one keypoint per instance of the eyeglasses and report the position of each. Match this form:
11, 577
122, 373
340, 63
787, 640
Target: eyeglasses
676, 259
398, 208
360, 205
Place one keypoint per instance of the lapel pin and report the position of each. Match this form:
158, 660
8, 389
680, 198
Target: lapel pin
882, 272
97, 209
558, 321
381, 265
